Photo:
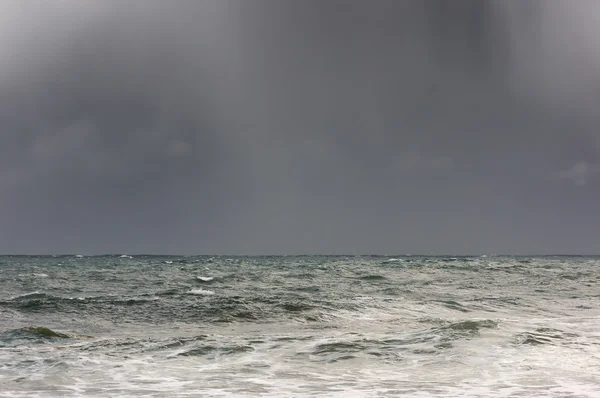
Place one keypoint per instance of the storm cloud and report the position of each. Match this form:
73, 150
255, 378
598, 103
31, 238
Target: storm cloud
266, 126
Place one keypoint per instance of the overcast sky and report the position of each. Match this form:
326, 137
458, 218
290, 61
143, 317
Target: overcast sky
269, 126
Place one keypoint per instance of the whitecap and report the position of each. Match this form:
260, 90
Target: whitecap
393, 260
168, 262
34, 293
205, 278
201, 292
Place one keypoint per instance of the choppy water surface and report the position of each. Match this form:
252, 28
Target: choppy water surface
299, 326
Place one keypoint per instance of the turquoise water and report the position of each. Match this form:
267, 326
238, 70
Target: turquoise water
167, 326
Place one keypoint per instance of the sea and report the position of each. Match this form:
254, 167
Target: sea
299, 326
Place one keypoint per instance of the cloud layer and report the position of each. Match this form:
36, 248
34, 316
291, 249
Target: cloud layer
280, 127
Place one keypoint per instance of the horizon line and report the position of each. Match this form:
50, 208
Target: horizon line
296, 255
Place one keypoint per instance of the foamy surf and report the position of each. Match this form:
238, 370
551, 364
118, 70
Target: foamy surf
301, 326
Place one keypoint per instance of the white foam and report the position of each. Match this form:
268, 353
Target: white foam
393, 260
168, 262
36, 292
201, 292
490, 365
379, 345
205, 278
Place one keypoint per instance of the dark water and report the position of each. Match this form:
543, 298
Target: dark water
299, 326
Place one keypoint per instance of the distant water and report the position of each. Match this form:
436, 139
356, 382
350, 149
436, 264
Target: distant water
299, 326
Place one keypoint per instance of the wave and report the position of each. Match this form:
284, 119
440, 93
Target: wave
454, 305
209, 350
430, 341
543, 336
471, 325
201, 292
39, 302
30, 334
308, 289
344, 347
393, 260
373, 278
25, 295
41, 331
296, 307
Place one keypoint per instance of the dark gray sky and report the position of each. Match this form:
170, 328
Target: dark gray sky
269, 126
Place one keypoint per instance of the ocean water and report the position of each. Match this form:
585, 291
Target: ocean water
323, 326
